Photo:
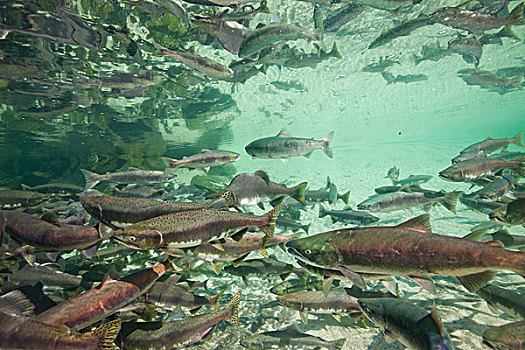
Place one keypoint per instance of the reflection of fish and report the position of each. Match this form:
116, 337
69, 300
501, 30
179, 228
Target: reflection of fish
289, 337
408, 249
407, 78
489, 80
338, 18
509, 336
179, 333
469, 47
285, 146
404, 29
410, 324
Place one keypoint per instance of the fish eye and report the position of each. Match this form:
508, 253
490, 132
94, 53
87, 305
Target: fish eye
132, 239
308, 251
367, 310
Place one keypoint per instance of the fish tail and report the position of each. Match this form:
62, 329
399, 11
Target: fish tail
389, 77
298, 192
264, 7
335, 51
326, 144
518, 139
450, 200
322, 211
216, 299
234, 306
222, 202
338, 344
516, 16
92, 179
108, 333
172, 164
272, 215
25, 187
507, 32
344, 197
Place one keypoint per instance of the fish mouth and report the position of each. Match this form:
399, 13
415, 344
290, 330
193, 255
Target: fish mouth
124, 242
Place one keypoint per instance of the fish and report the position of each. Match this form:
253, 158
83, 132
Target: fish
47, 275
349, 216
508, 240
490, 80
408, 78
477, 168
177, 10
297, 285
340, 17
468, 155
289, 337
53, 187
326, 194
392, 201
476, 22
431, 52
408, 249
263, 268
390, 5
249, 189
301, 59
491, 145
508, 336
479, 205
468, 46
498, 188
403, 29
116, 210
49, 235
506, 300
512, 213
412, 180
139, 192
170, 295
318, 302
380, 66
412, 325
271, 34
11, 199
285, 146
229, 33
204, 160
131, 176
192, 228
104, 300
244, 13
205, 66
178, 333
19, 331
286, 222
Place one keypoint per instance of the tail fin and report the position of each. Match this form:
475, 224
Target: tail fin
450, 200
172, 164
216, 299
108, 333
25, 187
389, 77
344, 197
322, 211
298, 192
326, 144
272, 215
338, 344
333, 53
517, 140
516, 16
234, 306
223, 202
263, 7
92, 179
507, 32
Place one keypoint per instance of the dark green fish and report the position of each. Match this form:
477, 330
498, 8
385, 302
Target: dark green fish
170, 295
506, 300
338, 18
271, 34
413, 326
468, 46
116, 210
300, 59
51, 236
326, 194
254, 189
53, 188
498, 188
11, 199
104, 300
404, 29
289, 223
507, 337
490, 80
229, 33
392, 201
485, 207
179, 333
408, 249
263, 268
508, 240
349, 216
390, 5
407, 78
296, 285
431, 52
204, 160
381, 65
285, 146
49, 276
512, 213
192, 228
132, 176
291, 337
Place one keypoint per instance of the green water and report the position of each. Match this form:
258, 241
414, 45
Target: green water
63, 107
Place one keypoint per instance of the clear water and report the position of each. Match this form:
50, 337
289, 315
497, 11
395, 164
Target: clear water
56, 119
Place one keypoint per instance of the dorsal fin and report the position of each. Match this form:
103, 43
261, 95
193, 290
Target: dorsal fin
437, 320
495, 244
420, 223
17, 303
489, 138
111, 275
50, 217
132, 168
204, 150
283, 133
263, 175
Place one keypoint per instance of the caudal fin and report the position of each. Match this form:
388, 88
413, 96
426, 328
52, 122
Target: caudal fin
272, 215
234, 306
107, 333
344, 197
516, 16
327, 149
172, 164
338, 344
322, 211
298, 192
450, 200
92, 179
518, 139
